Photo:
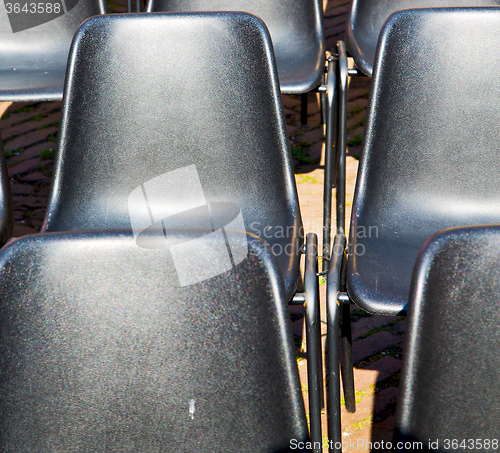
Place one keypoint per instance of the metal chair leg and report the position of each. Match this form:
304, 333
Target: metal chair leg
333, 318
330, 159
303, 108
313, 338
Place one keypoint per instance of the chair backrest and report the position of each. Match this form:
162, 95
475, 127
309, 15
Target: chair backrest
296, 28
430, 156
6, 203
182, 113
450, 385
103, 350
367, 18
34, 44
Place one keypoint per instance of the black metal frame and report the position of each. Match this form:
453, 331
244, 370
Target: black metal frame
338, 313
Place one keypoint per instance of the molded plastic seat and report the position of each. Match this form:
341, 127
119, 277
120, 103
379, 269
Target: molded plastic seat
430, 160
146, 142
34, 47
6, 204
296, 28
103, 350
449, 387
147, 115
430, 154
368, 16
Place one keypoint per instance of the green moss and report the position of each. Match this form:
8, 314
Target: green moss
356, 141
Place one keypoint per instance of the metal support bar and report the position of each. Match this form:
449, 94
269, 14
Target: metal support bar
334, 286
341, 136
313, 339
303, 108
129, 6
353, 72
330, 159
299, 299
347, 366
138, 5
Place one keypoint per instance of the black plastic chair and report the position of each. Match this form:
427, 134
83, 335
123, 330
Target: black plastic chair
34, 46
367, 18
296, 28
448, 394
146, 142
429, 160
103, 350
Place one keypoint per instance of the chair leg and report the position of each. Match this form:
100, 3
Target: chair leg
341, 136
303, 108
333, 319
330, 158
347, 366
313, 339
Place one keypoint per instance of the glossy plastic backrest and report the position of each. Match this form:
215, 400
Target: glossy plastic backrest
182, 112
102, 350
450, 385
296, 28
368, 16
34, 45
6, 204
430, 156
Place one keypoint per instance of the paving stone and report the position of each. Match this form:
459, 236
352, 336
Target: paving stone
376, 372
23, 230
36, 177
23, 167
31, 152
29, 202
30, 138
399, 328
39, 108
29, 126
368, 347
369, 406
21, 189
366, 324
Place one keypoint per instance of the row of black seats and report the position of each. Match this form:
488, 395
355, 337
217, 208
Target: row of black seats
424, 234
163, 326
143, 148
35, 38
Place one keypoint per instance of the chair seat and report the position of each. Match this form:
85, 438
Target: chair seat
453, 326
300, 70
381, 264
368, 17
34, 49
32, 84
296, 30
115, 355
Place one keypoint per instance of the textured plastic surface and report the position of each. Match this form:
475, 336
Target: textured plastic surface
6, 204
33, 60
368, 16
296, 28
191, 95
102, 350
450, 385
430, 156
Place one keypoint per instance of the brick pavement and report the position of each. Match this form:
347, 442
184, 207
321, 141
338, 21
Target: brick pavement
29, 133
